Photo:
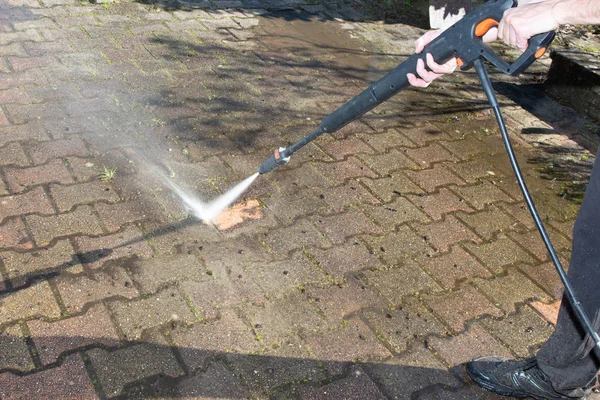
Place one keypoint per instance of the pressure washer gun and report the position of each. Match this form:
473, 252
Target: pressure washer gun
462, 40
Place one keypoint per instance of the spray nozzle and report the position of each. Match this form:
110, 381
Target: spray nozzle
280, 157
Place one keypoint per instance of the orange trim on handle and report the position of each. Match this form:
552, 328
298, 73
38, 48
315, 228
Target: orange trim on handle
541, 51
459, 62
484, 26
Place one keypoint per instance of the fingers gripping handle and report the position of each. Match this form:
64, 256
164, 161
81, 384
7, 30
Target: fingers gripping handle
536, 47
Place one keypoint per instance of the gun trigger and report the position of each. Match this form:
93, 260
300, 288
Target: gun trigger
484, 26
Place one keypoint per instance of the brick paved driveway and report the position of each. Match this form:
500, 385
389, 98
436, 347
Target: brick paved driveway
372, 266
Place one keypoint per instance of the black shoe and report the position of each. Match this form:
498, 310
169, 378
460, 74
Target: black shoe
517, 378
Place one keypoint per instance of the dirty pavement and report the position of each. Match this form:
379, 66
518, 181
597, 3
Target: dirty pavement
374, 265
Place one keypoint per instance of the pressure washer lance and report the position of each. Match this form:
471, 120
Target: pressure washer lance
463, 40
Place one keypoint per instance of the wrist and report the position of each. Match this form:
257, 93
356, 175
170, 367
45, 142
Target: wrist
560, 12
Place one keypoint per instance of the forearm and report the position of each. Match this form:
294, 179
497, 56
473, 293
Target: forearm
586, 12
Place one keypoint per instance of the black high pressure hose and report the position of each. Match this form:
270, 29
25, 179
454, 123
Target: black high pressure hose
489, 91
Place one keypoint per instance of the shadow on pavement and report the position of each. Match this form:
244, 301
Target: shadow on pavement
67, 366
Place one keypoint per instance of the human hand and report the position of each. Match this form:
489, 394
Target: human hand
424, 77
519, 24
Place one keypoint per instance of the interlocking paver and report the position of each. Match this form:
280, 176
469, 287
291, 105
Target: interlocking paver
35, 300
20, 179
70, 380
14, 353
167, 306
54, 338
79, 290
204, 342
80, 221
460, 306
395, 283
508, 290
522, 331
45, 261
117, 368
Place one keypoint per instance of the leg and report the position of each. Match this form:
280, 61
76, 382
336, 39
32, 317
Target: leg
567, 358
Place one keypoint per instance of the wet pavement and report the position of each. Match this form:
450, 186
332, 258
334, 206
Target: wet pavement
373, 265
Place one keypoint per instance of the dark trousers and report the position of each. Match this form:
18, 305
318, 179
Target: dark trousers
568, 357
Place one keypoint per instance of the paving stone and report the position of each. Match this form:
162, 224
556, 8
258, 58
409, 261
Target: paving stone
287, 363
34, 201
80, 221
339, 301
425, 133
117, 368
460, 306
280, 277
396, 184
14, 353
340, 227
548, 311
342, 260
522, 331
341, 148
357, 385
70, 380
78, 290
302, 234
437, 204
13, 233
384, 141
533, 242
290, 207
72, 146
410, 372
443, 234
152, 274
167, 306
394, 283
95, 251
506, 291
350, 343
431, 179
478, 169
54, 338
115, 216
399, 326
386, 163
218, 381
490, 222
204, 342
13, 154
387, 248
20, 179
45, 261
452, 267
66, 197
280, 319
340, 198
545, 276
499, 254
398, 212
35, 300
338, 172
473, 343
433, 153
482, 195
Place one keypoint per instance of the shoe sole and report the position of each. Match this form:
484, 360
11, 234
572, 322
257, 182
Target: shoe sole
502, 390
